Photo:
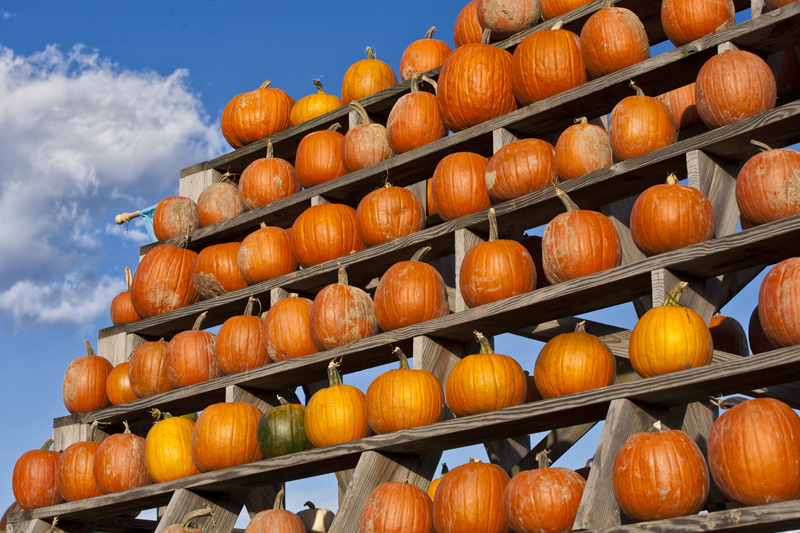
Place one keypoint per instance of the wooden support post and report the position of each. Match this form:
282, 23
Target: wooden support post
117, 346
226, 508
557, 442
318, 200
420, 190
465, 239
697, 420
192, 185
64, 436
620, 214
716, 179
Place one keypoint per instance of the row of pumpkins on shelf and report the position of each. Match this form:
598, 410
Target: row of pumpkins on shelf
479, 81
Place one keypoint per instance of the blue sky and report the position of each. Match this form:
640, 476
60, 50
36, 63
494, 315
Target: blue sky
101, 105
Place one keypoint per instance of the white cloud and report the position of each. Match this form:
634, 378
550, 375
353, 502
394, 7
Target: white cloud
81, 140
7, 15
134, 234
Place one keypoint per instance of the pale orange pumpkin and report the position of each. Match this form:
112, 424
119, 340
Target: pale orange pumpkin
366, 77
423, 55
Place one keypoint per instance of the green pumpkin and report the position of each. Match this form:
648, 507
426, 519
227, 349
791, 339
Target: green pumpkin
282, 430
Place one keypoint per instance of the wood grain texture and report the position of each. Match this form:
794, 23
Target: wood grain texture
66, 435
699, 295
262, 498
225, 507
117, 347
132, 525
557, 442
464, 240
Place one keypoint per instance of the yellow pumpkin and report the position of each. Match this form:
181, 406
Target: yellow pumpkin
168, 449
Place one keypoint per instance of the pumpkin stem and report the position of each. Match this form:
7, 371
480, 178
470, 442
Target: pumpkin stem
197, 513
47, 444
156, 413
657, 427
580, 327
675, 294
430, 33
422, 251
473, 460
342, 275
485, 346
444, 469
486, 36
318, 84
184, 242
53, 525
493, 233
283, 400
128, 278
589, 462
270, 151
558, 25
565, 199
386, 183
263, 225
293, 295
199, 321
581, 120
310, 505
370, 53
127, 427
542, 459
397, 352
335, 127
764, 147
248, 309
636, 88
280, 500
672, 179
227, 177
362, 113
334, 377
415, 82
265, 84
432, 83
89, 349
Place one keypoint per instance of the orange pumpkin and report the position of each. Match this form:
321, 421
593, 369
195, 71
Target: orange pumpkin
685, 21
396, 506
495, 269
484, 382
313, 105
75, 472
215, 270
467, 29
659, 475
265, 254
255, 115
218, 202
459, 185
365, 144
336, 414
189, 358
640, 124
669, 338
611, 39
682, 107
287, 329
507, 17
122, 310
410, 292
519, 168
777, 304
175, 217
573, 362
118, 385
225, 436
555, 8
767, 184
241, 342
185, 525
119, 463
84, 386
319, 157
388, 213
266, 180
423, 55
168, 449
163, 281
728, 335
341, 314
148, 370
403, 398
34, 478
582, 148
671, 216
366, 77
276, 520
415, 120
470, 498
324, 232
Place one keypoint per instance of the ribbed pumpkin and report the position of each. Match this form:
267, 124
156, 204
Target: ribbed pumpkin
435, 483
364, 144
410, 292
313, 105
218, 202
495, 269
122, 310
640, 124
34, 478
148, 370
767, 185
341, 314
403, 398
484, 382
547, 63
75, 472
687, 20
324, 232
659, 475
255, 115
189, 358
168, 449
241, 342
682, 107
423, 55
265, 254
336, 414
520, 168
175, 217
415, 120
475, 85
225, 435
555, 8
733, 86
396, 507
388, 213
282, 430
573, 362
470, 498
319, 157
266, 180
215, 270
287, 328
459, 185
84, 386
118, 385
366, 77
276, 520
467, 29
543, 500
612, 39
778, 306
759, 343
671, 216
163, 281
754, 452
669, 338
578, 243
120, 464
582, 148
507, 17
728, 335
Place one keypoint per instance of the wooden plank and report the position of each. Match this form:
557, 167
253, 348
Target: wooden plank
557, 442
116, 345
192, 185
55, 526
677, 388
464, 240
716, 179
225, 508
132, 525
262, 498
66, 435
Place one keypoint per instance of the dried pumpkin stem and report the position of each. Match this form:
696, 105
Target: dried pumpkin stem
127, 426
197, 513
249, 309
398, 352
362, 113
342, 275
542, 459
636, 88
53, 527
675, 294
128, 278
558, 25
283, 400
156, 413
432, 83
486, 347
486, 36
318, 84
334, 377
199, 321
265, 84
280, 500
334, 127
493, 233
565, 199
370, 53
421, 252
47, 444
430, 33
270, 151
672, 179
89, 349
764, 147
656, 427
581, 120
580, 327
